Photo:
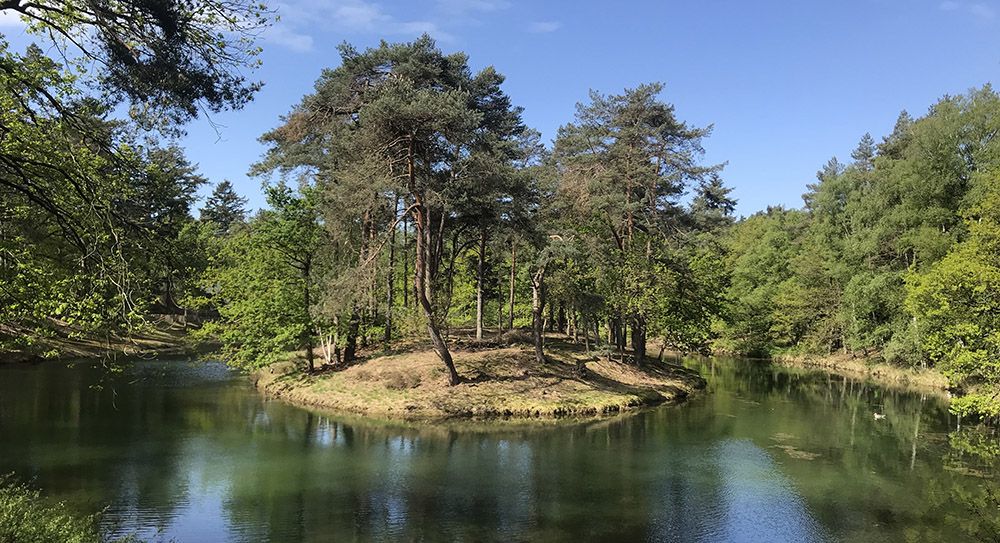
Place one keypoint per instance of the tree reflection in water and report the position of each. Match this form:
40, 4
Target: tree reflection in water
765, 454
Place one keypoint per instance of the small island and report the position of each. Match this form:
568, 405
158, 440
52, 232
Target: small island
501, 381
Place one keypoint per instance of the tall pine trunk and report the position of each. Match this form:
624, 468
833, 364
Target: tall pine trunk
639, 339
423, 292
573, 326
499, 312
351, 343
406, 261
307, 300
390, 279
513, 273
480, 265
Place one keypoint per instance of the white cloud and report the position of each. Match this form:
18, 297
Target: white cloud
282, 34
416, 28
465, 13
982, 11
979, 10
544, 27
359, 15
299, 20
462, 7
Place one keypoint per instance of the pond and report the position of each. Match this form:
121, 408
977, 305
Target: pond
190, 452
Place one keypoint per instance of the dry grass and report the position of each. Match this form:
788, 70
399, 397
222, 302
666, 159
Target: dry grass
162, 339
851, 366
498, 383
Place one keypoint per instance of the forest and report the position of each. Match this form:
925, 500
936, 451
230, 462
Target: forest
407, 198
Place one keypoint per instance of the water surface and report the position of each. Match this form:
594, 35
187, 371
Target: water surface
190, 452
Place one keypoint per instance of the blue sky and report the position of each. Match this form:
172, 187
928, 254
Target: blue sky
786, 84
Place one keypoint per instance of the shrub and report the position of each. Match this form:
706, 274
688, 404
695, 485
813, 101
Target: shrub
26, 518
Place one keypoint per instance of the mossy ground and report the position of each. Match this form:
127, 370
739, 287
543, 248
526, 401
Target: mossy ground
498, 382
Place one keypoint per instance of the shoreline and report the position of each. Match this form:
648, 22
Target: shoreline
167, 342
500, 385
926, 379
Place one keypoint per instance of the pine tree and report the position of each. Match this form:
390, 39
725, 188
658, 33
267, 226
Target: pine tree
831, 170
892, 145
712, 207
623, 168
423, 131
224, 207
864, 154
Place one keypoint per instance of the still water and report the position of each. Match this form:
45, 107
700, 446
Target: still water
189, 452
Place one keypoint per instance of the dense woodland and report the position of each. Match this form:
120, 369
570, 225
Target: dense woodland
894, 255
407, 198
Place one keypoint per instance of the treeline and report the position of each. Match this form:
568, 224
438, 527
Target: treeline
895, 255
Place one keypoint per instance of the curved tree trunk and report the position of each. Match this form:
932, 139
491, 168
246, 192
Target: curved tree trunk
423, 283
307, 301
537, 313
423, 291
390, 282
406, 261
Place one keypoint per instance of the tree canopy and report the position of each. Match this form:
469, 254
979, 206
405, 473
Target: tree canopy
93, 208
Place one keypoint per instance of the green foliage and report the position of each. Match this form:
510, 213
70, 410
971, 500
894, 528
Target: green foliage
975, 442
258, 299
405, 133
957, 306
261, 280
25, 517
87, 215
763, 291
712, 208
894, 255
92, 210
168, 58
621, 170
224, 208
690, 296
